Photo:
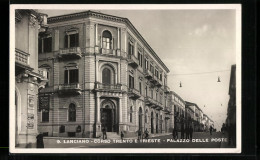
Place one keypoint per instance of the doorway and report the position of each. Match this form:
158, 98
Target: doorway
107, 119
140, 118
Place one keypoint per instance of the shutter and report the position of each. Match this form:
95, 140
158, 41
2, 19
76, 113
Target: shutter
39, 45
66, 41
77, 40
66, 77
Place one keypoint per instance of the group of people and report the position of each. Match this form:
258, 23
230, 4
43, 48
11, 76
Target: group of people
140, 135
188, 131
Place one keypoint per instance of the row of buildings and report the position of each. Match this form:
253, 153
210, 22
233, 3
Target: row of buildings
76, 74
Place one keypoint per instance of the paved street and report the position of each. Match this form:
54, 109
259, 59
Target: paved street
204, 140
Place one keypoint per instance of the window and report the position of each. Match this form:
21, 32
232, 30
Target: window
161, 76
107, 40
151, 93
72, 39
130, 48
140, 59
131, 114
146, 91
151, 68
156, 96
156, 73
45, 115
140, 87
71, 76
131, 81
72, 112
146, 63
106, 76
45, 44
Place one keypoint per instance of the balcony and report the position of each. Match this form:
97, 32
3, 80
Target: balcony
154, 80
159, 83
70, 53
159, 106
108, 87
108, 51
133, 61
21, 61
69, 89
148, 74
149, 101
167, 110
166, 89
133, 93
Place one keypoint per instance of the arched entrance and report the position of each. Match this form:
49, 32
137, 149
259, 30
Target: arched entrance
140, 118
151, 122
108, 118
157, 118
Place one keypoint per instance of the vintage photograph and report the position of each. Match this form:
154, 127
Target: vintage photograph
125, 78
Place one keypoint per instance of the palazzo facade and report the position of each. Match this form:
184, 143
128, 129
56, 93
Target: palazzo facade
101, 73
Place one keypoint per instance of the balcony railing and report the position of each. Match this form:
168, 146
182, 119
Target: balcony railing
73, 52
108, 87
154, 80
133, 61
21, 57
148, 74
133, 93
159, 105
73, 88
108, 51
159, 83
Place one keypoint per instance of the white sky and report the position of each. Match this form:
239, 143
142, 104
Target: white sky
189, 41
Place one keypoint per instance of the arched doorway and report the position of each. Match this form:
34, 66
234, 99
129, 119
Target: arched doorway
140, 118
157, 119
108, 116
151, 122
161, 123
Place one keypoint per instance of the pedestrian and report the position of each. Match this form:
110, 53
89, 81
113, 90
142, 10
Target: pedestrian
122, 135
139, 134
182, 132
104, 131
187, 132
210, 130
39, 141
173, 133
146, 133
191, 132
176, 132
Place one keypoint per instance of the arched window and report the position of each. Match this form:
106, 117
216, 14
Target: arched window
131, 114
72, 112
106, 76
107, 40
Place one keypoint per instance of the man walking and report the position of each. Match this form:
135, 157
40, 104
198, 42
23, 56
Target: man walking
182, 132
187, 132
210, 130
139, 134
104, 133
191, 132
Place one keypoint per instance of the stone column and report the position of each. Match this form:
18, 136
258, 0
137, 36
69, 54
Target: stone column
56, 40
98, 109
118, 38
96, 34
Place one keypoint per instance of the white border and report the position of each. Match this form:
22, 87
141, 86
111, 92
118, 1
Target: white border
236, 7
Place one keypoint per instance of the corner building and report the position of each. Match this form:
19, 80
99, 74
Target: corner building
102, 73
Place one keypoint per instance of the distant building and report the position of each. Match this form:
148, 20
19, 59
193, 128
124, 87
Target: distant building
231, 110
179, 110
102, 74
197, 116
28, 23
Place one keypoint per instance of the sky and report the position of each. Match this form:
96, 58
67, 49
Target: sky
190, 43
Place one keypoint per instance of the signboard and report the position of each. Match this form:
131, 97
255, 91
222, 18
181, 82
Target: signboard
44, 102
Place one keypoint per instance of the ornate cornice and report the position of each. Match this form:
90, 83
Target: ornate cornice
88, 14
